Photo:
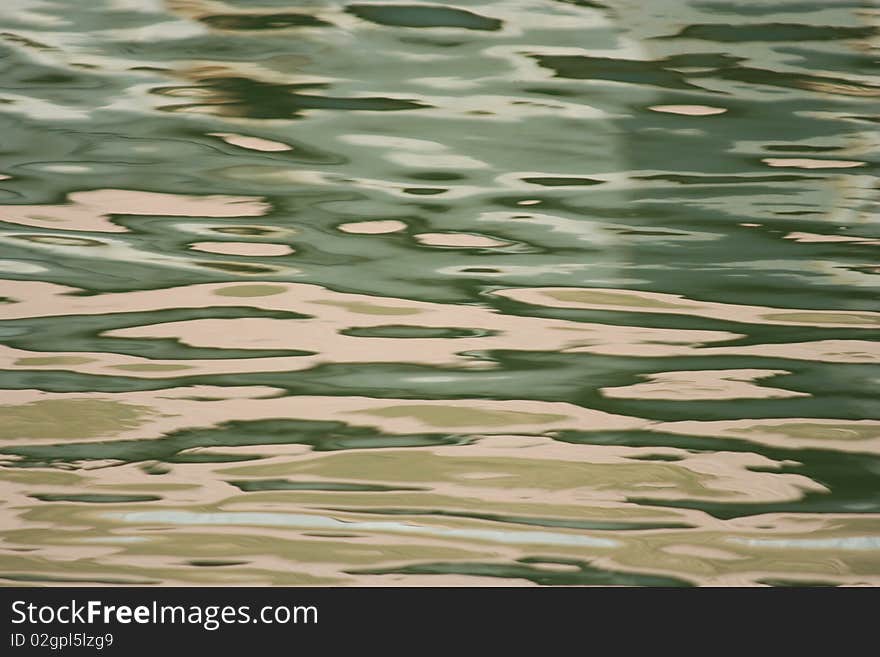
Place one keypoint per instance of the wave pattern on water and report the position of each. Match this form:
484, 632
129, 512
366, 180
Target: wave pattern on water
522, 292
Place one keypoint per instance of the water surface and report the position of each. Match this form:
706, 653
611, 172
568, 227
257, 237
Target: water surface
525, 292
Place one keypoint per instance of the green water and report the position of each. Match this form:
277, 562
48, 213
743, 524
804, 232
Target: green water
501, 293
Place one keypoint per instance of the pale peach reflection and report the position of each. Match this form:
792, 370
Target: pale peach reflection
91, 210
810, 163
462, 240
243, 248
689, 110
373, 227
703, 384
332, 314
253, 143
816, 238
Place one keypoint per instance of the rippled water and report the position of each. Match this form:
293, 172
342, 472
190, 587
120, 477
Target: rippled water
514, 292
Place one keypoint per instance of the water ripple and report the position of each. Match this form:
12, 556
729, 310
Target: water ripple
556, 293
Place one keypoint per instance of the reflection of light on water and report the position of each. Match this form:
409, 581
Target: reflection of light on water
842, 543
631, 234
453, 379
120, 540
303, 521
20, 267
